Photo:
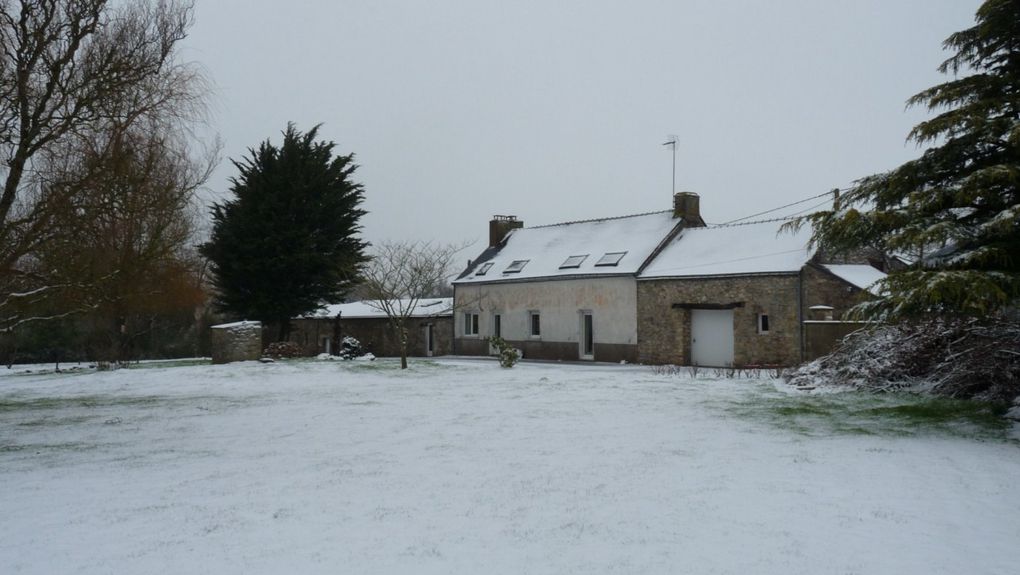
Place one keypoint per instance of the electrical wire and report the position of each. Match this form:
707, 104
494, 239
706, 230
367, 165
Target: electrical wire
790, 205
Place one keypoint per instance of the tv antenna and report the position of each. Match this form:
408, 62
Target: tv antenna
672, 141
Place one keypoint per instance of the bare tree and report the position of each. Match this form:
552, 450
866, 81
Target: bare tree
73, 75
400, 274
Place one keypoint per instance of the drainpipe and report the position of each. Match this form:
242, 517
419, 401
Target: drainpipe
800, 311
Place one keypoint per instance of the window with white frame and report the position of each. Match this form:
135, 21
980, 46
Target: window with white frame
534, 324
763, 323
470, 323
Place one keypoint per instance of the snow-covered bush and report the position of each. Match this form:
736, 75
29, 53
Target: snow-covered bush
962, 358
508, 355
350, 348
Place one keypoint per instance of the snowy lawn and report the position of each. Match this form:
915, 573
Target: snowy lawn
463, 467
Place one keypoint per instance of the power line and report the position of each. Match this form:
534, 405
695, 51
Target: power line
776, 209
785, 218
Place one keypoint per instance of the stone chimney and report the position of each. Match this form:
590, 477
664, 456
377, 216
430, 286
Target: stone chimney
500, 226
687, 206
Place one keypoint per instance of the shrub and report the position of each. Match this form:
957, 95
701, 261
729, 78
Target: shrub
350, 348
952, 357
508, 355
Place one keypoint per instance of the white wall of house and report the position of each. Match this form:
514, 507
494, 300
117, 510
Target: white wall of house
611, 300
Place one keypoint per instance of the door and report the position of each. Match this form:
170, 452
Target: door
430, 344
587, 336
326, 345
712, 337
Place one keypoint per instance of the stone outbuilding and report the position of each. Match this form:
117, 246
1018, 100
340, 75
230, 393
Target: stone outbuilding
429, 328
237, 341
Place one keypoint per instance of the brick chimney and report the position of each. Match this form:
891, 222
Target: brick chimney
500, 226
687, 206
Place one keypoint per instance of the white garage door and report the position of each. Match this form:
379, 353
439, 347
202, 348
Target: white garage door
712, 337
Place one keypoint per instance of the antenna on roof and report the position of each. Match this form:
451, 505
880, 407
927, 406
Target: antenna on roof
671, 141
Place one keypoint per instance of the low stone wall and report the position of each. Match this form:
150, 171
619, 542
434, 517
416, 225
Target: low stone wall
821, 337
238, 341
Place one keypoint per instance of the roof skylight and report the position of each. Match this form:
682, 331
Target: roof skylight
483, 268
515, 266
610, 259
573, 262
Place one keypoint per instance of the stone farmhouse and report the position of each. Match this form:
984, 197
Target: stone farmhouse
429, 328
656, 288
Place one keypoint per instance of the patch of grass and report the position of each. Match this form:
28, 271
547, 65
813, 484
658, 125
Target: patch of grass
391, 365
17, 404
860, 413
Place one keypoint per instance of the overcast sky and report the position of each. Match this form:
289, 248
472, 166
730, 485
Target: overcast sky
555, 111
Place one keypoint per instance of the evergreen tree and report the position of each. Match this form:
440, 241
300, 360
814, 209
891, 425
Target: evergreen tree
288, 240
955, 211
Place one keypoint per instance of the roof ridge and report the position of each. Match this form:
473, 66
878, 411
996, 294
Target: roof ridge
599, 219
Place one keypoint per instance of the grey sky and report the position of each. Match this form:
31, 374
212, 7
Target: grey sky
556, 111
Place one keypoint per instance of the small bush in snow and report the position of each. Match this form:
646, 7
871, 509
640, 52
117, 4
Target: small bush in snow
508, 355
350, 348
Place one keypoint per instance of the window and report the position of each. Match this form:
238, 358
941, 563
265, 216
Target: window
763, 323
497, 325
515, 266
573, 262
483, 268
535, 323
610, 259
470, 323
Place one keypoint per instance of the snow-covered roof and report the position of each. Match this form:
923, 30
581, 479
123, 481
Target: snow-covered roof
731, 250
612, 246
371, 309
237, 325
862, 276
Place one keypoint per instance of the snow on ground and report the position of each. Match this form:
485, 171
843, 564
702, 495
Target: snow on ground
462, 467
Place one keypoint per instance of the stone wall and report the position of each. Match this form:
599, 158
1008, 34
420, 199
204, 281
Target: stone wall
821, 337
239, 341
664, 317
375, 334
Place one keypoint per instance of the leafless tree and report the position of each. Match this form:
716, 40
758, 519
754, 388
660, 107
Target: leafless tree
400, 274
76, 76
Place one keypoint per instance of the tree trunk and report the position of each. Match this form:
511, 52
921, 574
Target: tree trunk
403, 348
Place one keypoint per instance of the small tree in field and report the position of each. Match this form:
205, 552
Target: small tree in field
400, 274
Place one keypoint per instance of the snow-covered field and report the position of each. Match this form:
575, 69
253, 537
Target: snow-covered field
462, 467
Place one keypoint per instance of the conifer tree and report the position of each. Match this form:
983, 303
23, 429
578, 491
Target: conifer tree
288, 240
954, 211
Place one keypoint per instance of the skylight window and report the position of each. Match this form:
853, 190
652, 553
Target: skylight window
610, 259
484, 268
573, 262
515, 266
